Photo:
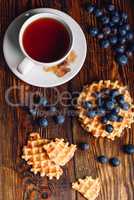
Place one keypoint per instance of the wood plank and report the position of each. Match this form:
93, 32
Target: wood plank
16, 182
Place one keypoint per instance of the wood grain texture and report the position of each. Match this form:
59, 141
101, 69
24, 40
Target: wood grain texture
16, 182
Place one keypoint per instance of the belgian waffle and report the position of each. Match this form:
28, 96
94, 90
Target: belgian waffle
88, 187
93, 125
36, 156
59, 151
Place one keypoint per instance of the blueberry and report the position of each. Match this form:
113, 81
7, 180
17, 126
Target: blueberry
124, 16
33, 112
105, 91
129, 53
129, 148
99, 102
111, 7
114, 93
115, 19
110, 105
52, 109
122, 40
114, 162
104, 119
90, 7
113, 40
122, 59
87, 104
130, 35
83, 146
115, 111
125, 106
102, 159
98, 13
115, 13
120, 118
122, 31
106, 30
60, 119
100, 35
109, 128
101, 111
97, 94
111, 24
43, 101
91, 113
120, 99
120, 49
104, 43
126, 27
93, 31
113, 118
43, 122
105, 20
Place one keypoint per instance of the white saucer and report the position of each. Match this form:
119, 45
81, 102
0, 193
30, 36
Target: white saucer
37, 76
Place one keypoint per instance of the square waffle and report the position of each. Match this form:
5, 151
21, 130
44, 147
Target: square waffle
36, 156
59, 151
88, 187
93, 125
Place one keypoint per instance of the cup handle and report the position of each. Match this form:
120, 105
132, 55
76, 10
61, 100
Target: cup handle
25, 66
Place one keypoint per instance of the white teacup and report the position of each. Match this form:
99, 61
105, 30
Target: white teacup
28, 63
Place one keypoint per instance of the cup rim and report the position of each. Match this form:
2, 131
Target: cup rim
39, 16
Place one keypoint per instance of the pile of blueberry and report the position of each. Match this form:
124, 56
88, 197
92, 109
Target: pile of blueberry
109, 102
115, 31
43, 105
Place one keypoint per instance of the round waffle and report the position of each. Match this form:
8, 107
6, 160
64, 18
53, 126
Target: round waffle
94, 125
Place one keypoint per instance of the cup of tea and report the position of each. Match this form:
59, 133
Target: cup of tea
45, 40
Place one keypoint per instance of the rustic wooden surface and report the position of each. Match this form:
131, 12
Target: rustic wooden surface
16, 182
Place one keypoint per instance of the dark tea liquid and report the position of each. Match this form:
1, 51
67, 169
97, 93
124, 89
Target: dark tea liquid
46, 40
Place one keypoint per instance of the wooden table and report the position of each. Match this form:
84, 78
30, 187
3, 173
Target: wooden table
16, 182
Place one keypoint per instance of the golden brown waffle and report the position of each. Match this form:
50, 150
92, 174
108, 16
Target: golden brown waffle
36, 156
59, 151
88, 187
93, 125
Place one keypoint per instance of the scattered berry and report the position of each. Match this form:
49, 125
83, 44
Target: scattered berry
129, 148
52, 109
98, 13
104, 120
113, 118
90, 7
109, 128
125, 106
59, 119
91, 114
113, 40
111, 7
43, 101
43, 122
115, 19
120, 49
105, 20
102, 159
106, 30
93, 31
84, 146
130, 35
124, 16
100, 35
87, 104
114, 162
120, 118
122, 40
33, 112
122, 59
110, 105
104, 43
